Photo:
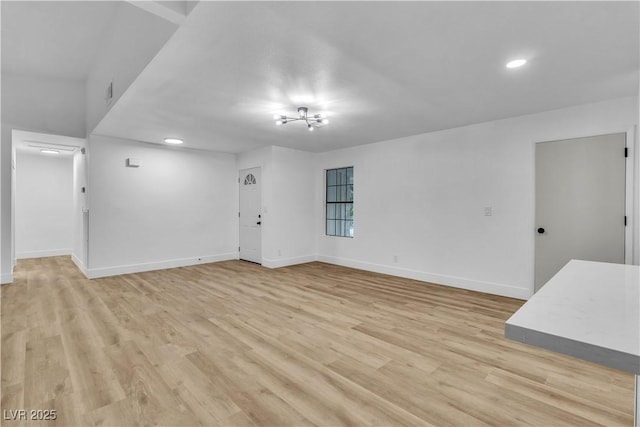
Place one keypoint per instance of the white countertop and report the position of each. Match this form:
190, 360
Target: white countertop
589, 310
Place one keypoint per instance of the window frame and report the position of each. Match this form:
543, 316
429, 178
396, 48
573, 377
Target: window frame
347, 219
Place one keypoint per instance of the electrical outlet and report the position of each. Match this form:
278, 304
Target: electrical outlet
488, 211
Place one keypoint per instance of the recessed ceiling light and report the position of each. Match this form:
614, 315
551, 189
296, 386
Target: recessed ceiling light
173, 141
49, 151
516, 63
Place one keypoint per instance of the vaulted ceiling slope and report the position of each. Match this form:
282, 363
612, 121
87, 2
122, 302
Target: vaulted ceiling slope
54, 39
381, 70
77, 48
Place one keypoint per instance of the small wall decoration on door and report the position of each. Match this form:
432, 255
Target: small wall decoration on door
249, 179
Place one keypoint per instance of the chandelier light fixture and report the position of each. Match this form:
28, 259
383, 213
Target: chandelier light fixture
303, 114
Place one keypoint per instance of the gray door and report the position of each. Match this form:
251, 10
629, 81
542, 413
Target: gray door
580, 202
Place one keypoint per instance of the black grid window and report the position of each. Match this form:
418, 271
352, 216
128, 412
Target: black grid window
339, 197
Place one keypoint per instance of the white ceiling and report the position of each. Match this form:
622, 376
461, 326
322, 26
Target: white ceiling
56, 39
382, 70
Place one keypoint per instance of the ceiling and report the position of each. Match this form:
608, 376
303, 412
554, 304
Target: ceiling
381, 70
55, 39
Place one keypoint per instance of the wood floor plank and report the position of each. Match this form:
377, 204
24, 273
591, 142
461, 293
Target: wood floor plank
207, 401
340, 397
46, 371
565, 401
147, 393
261, 405
416, 397
13, 358
236, 344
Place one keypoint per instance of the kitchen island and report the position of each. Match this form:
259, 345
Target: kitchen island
589, 310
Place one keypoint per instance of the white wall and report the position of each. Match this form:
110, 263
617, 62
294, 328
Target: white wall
178, 208
43, 205
290, 234
422, 198
134, 38
288, 204
38, 104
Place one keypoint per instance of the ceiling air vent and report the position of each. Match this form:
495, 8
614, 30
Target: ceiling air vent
108, 95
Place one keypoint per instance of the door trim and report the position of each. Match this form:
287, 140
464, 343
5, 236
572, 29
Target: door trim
631, 254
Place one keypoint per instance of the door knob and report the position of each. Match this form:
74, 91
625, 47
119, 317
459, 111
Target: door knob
259, 222
540, 230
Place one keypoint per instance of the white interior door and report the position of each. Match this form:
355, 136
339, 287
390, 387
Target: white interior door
580, 203
250, 215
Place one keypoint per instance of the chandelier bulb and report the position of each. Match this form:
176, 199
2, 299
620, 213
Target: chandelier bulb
310, 128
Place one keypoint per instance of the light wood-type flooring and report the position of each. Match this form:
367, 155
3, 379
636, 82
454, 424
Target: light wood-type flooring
236, 344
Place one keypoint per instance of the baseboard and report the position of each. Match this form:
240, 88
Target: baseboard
457, 282
6, 278
284, 262
80, 265
95, 273
43, 254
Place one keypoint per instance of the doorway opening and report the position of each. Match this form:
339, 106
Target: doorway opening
48, 197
